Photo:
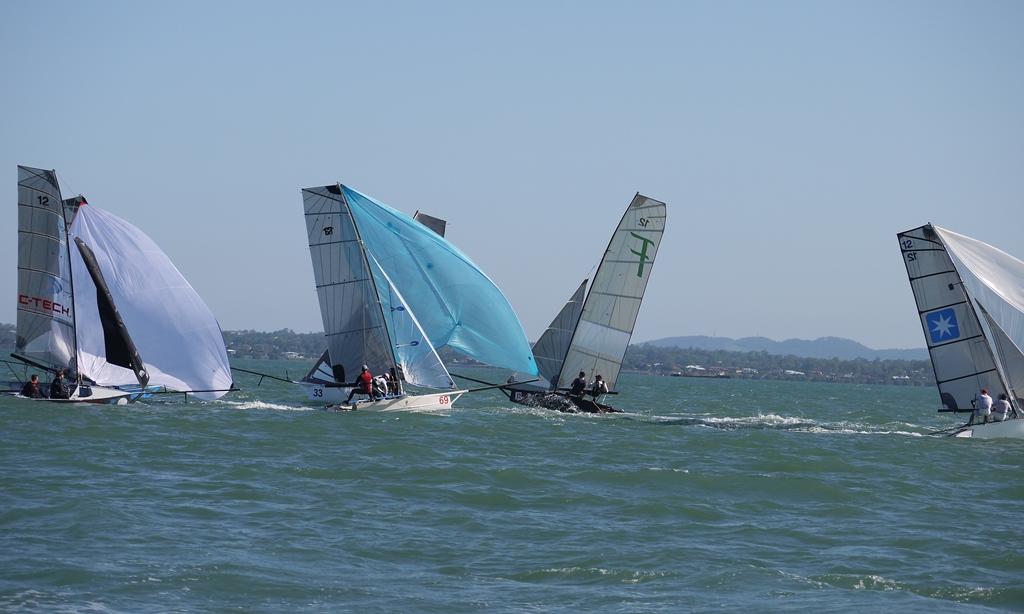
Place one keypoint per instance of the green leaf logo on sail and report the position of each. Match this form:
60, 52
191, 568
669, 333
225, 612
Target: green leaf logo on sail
644, 244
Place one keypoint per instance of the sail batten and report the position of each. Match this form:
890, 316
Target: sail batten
349, 304
609, 314
45, 311
958, 283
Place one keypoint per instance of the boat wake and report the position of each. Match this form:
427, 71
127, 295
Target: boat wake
264, 405
785, 423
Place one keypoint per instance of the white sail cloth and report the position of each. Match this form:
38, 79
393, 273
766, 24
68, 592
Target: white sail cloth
610, 311
994, 278
176, 335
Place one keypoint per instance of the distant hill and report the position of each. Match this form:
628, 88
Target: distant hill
822, 347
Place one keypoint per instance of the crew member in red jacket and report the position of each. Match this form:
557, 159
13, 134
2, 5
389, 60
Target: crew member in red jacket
364, 385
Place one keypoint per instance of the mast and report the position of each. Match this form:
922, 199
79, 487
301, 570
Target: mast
373, 282
75, 202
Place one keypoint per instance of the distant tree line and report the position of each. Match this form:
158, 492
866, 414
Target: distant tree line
7, 338
274, 345
762, 365
644, 358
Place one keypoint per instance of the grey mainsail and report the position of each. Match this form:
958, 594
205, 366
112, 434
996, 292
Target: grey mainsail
552, 347
46, 319
961, 356
353, 321
610, 311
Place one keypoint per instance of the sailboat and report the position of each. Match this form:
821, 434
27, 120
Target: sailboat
98, 298
393, 291
970, 298
592, 331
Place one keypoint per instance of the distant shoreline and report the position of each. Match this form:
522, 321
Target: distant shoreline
646, 358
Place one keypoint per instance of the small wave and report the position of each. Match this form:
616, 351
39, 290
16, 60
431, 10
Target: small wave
265, 405
592, 573
784, 423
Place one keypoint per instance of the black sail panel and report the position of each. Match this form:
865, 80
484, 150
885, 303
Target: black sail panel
120, 349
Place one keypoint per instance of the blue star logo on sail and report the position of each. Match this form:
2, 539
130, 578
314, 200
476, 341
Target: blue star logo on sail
942, 325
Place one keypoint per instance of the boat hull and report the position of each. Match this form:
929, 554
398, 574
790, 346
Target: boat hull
96, 395
406, 402
1008, 429
335, 399
559, 402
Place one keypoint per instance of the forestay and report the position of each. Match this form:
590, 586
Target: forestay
174, 331
609, 314
961, 356
46, 320
551, 349
455, 303
353, 320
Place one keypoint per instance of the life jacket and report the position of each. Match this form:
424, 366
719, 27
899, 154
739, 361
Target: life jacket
365, 381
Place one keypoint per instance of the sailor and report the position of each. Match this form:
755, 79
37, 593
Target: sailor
59, 386
982, 407
1001, 408
599, 387
393, 381
578, 386
364, 385
32, 389
380, 386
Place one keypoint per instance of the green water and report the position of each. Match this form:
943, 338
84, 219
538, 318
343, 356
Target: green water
708, 495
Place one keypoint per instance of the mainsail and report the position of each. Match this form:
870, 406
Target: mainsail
970, 300
552, 347
609, 313
46, 318
170, 326
455, 303
353, 320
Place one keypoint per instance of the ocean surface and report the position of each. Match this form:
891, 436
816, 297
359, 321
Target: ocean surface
709, 495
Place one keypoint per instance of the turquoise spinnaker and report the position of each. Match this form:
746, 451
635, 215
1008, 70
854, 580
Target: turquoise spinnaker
454, 301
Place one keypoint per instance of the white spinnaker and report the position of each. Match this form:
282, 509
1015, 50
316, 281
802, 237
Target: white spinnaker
353, 321
550, 350
421, 366
45, 328
960, 354
609, 314
176, 335
995, 280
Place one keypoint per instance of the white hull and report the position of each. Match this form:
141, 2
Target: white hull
1009, 429
335, 397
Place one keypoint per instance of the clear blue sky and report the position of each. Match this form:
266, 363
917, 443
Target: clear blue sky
791, 141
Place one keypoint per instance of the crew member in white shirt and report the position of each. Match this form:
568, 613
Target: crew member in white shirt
1001, 408
982, 407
